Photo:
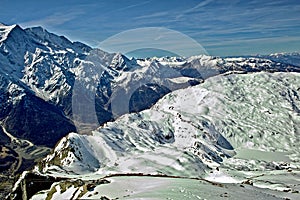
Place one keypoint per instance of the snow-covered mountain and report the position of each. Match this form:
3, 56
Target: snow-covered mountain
229, 129
50, 86
288, 58
49, 72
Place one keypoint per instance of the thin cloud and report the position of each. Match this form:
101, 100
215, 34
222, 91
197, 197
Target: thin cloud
133, 6
207, 21
154, 15
200, 5
260, 40
195, 8
56, 19
152, 37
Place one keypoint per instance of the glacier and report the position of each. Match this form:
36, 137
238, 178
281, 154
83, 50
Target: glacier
224, 130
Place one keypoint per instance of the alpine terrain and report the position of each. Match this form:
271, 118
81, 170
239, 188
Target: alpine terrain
78, 122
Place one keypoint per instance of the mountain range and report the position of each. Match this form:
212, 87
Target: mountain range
188, 115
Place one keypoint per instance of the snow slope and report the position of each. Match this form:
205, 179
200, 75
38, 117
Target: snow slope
44, 75
4, 31
195, 132
255, 111
154, 188
108, 85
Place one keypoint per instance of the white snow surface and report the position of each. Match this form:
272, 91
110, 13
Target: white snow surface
191, 131
4, 31
46, 63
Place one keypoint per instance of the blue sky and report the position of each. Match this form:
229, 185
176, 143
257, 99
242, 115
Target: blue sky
223, 28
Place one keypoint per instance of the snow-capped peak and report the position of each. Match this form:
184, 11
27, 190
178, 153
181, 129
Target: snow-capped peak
5, 30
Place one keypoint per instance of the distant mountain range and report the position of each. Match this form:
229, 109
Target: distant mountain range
50, 87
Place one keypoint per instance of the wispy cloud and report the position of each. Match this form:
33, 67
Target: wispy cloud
132, 6
153, 15
211, 22
255, 40
195, 8
152, 37
198, 6
55, 19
